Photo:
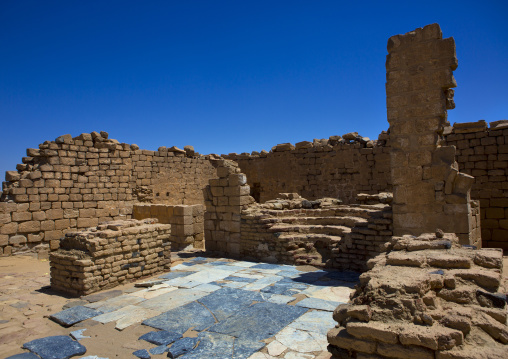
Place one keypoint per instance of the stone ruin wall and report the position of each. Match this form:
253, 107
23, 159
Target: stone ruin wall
109, 255
482, 152
75, 183
92, 183
339, 167
187, 222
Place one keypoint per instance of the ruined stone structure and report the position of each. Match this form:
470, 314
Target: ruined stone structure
109, 255
326, 203
187, 222
428, 298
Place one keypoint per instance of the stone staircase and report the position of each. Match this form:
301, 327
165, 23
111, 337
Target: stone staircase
314, 235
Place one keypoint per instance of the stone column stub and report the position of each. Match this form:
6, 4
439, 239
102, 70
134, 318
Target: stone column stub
429, 191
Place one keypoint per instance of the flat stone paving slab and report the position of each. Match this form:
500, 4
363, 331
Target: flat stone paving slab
74, 315
179, 320
57, 347
212, 345
264, 320
225, 302
161, 337
316, 303
233, 305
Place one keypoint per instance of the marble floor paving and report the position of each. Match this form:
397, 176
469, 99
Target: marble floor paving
210, 308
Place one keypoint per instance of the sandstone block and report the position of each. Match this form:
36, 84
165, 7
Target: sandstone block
29, 226
12, 176
17, 240
373, 331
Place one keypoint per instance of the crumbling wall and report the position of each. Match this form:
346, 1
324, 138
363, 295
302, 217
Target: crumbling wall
429, 191
187, 222
319, 233
428, 298
482, 152
339, 167
109, 255
226, 196
74, 183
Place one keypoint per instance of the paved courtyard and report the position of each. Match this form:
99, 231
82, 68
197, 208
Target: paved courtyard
204, 308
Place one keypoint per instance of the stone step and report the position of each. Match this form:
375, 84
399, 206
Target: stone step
341, 211
347, 221
311, 229
310, 237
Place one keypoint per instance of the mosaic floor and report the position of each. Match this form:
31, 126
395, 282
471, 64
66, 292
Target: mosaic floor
212, 308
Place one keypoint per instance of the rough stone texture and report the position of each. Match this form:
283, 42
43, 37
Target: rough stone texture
187, 222
483, 153
338, 170
225, 196
429, 191
432, 310
74, 183
110, 254
322, 233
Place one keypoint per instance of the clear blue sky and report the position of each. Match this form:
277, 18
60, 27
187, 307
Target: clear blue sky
226, 76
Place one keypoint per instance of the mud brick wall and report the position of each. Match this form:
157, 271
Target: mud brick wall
429, 191
187, 222
260, 240
427, 298
73, 183
335, 168
226, 197
482, 152
110, 254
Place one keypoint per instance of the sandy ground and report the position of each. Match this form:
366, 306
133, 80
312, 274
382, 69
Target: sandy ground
26, 300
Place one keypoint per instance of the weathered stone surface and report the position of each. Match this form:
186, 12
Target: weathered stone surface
315, 303
24, 356
374, 331
182, 346
180, 319
227, 301
56, 347
265, 320
74, 315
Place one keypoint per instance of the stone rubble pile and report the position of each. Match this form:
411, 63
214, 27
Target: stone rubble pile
427, 298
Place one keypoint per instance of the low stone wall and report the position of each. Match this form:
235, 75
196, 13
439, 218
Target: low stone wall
187, 222
325, 234
428, 298
110, 254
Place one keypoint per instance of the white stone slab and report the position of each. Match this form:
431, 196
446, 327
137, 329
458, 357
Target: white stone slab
210, 275
173, 299
299, 340
243, 264
276, 348
262, 283
315, 321
207, 287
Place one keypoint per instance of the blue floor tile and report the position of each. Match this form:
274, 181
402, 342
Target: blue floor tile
180, 319
182, 346
228, 301
162, 337
74, 315
264, 320
56, 347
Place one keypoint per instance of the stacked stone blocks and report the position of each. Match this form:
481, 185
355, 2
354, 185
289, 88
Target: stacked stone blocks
109, 255
187, 222
429, 191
